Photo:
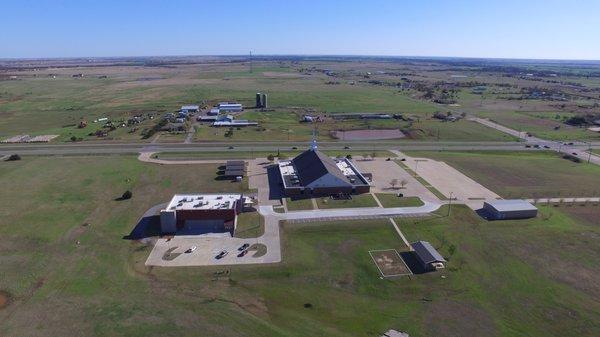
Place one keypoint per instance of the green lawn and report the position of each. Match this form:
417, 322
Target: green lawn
392, 200
524, 174
91, 280
249, 225
360, 200
298, 204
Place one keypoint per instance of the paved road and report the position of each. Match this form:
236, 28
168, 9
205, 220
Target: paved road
147, 157
578, 148
85, 148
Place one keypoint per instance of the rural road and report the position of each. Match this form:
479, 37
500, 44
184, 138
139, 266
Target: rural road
578, 149
85, 148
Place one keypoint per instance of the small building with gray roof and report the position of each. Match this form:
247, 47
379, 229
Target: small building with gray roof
428, 256
509, 209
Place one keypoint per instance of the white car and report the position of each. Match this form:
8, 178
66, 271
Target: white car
191, 249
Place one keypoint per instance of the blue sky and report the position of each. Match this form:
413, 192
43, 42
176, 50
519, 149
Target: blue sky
551, 29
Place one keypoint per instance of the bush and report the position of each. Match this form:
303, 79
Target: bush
14, 157
270, 157
126, 195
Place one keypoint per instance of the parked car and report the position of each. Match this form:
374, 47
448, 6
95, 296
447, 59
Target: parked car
546, 147
221, 255
231, 147
574, 153
527, 146
191, 249
242, 253
243, 247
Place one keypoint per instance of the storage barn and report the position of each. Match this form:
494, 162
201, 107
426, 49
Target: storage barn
428, 256
509, 209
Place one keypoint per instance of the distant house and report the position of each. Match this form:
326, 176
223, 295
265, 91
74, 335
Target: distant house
190, 109
509, 209
428, 256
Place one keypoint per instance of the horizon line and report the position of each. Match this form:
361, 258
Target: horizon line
302, 55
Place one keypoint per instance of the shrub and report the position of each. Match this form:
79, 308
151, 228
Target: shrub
14, 157
126, 195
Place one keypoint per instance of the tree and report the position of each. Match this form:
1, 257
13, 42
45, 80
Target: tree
73, 138
393, 183
270, 157
403, 183
14, 157
126, 195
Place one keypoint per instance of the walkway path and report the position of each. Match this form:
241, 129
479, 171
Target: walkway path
563, 200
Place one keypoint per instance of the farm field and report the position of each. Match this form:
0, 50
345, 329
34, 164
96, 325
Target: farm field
524, 174
77, 277
52, 101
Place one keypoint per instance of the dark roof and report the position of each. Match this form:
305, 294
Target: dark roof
313, 164
426, 252
232, 173
236, 163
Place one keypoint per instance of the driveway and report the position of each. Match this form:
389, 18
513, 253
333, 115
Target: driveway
384, 171
447, 179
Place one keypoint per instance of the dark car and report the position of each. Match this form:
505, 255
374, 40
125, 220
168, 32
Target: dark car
294, 148
242, 253
231, 147
221, 255
243, 247
546, 147
346, 147
574, 153
527, 146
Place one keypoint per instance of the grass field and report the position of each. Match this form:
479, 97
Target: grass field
524, 174
64, 277
50, 101
299, 204
392, 200
360, 200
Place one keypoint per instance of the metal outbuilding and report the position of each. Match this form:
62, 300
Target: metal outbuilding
509, 209
428, 256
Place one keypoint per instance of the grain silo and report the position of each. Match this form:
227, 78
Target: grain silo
258, 100
264, 101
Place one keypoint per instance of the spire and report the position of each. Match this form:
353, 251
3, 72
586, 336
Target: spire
313, 145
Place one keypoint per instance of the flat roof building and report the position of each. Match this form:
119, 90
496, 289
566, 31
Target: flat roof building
230, 107
509, 209
202, 213
314, 173
428, 256
235, 168
190, 108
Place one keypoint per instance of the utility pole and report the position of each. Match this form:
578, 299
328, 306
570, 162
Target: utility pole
450, 204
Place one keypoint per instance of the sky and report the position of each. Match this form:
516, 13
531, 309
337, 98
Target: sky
539, 29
